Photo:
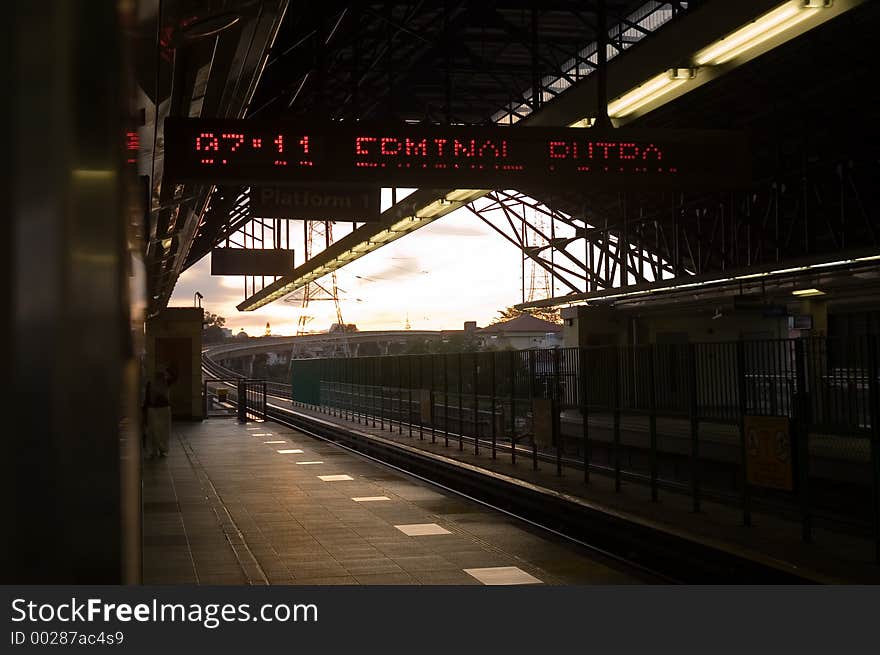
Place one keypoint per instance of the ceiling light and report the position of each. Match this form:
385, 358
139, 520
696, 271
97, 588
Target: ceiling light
763, 28
434, 208
405, 224
465, 195
805, 293
650, 91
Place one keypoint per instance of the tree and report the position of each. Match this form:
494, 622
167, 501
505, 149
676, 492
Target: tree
212, 328
461, 342
551, 315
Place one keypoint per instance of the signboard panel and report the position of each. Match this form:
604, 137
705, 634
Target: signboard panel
542, 422
458, 157
768, 452
316, 203
246, 261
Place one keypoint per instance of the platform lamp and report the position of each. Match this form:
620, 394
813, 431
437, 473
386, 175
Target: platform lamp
197, 299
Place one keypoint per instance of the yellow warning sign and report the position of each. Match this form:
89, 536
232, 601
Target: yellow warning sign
768, 452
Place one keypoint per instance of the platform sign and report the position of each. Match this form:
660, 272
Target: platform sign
542, 421
451, 157
317, 203
768, 452
251, 261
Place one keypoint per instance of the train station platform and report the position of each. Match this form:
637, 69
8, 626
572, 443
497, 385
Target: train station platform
259, 503
833, 556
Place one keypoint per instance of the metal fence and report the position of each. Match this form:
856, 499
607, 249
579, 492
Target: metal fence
662, 414
253, 395
714, 381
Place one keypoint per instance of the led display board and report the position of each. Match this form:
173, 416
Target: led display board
460, 157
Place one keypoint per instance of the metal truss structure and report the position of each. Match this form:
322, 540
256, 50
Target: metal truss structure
498, 62
639, 239
455, 61
466, 62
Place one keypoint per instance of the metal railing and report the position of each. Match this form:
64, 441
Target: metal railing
669, 416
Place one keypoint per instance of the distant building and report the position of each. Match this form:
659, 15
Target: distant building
242, 335
227, 333
521, 333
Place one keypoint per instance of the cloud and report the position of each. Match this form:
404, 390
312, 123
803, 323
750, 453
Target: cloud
468, 279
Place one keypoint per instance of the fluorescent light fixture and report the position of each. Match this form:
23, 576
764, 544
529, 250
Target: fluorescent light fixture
434, 208
382, 237
759, 30
405, 225
648, 92
690, 285
584, 122
465, 195
93, 174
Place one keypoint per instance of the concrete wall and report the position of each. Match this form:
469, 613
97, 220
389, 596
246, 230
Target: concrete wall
595, 326
175, 337
702, 327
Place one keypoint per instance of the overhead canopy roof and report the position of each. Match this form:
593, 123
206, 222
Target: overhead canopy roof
481, 62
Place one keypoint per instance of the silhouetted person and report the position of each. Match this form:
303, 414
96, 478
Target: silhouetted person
157, 402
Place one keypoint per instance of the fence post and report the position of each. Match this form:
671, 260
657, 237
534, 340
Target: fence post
264, 402
512, 407
652, 419
741, 390
432, 358
242, 401
695, 426
476, 380
460, 407
530, 354
373, 386
446, 399
349, 406
556, 408
399, 395
492, 401
802, 407
409, 386
585, 411
615, 356
421, 368
874, 408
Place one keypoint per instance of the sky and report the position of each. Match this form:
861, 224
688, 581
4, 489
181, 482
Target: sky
453, 270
